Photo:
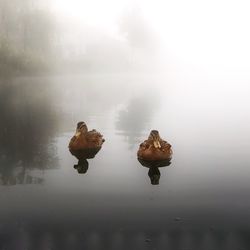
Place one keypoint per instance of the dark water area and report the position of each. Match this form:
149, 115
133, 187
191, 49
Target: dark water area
200, 200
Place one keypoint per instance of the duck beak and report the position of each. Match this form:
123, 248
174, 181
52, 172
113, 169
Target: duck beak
157, 144
78, 132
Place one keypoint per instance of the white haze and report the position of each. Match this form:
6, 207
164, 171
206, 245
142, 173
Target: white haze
197, 35
198, 52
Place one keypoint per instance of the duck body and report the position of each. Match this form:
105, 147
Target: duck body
85, 144
154, 148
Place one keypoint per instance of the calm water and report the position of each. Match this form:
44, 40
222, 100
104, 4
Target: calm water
201, 202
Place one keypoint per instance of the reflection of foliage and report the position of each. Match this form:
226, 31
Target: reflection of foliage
136, 117
19, 175
26, 128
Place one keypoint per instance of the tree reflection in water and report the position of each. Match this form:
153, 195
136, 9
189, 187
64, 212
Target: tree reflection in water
27, 127
137, 116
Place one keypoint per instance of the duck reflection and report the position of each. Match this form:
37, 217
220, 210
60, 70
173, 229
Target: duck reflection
154, 175
154, 172
85, 145
82, 166
82, 156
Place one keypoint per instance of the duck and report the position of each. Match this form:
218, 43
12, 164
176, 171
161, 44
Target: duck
154, 148
85, 144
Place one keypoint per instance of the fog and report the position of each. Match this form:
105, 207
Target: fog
194, 39
191, 36
124, 68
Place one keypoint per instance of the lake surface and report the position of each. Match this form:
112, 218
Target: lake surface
201, 202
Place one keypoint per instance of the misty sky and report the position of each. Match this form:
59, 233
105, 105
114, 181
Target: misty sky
208, 36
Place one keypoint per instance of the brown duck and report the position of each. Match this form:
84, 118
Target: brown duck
154, 148
85, 144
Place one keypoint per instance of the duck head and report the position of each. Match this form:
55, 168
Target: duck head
155, 137
81, 128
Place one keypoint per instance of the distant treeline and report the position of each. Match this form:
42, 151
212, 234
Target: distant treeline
27, 37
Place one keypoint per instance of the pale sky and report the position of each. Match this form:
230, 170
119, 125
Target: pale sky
210, 34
